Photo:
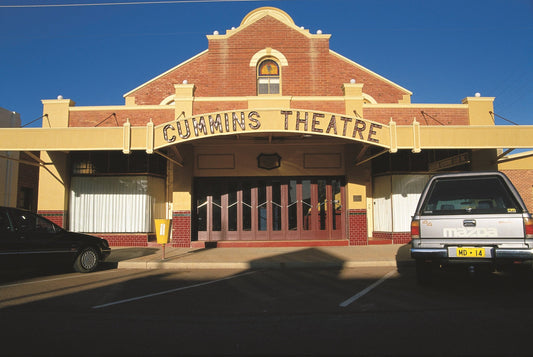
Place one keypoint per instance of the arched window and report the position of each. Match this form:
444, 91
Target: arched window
268, 77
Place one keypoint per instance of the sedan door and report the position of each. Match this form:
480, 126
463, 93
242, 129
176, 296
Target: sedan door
9, 244
39, 240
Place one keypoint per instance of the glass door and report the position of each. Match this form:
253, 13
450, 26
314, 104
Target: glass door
269, 209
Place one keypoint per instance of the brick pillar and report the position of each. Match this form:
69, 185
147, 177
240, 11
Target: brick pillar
181, 229
357, 227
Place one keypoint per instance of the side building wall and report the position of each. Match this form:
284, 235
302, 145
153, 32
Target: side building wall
520, 172
9, 166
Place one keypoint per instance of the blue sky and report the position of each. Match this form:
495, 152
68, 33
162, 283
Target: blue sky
442, 51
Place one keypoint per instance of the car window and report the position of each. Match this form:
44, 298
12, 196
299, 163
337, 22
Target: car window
24, 222
5, 225
44, 225
469, 195
29, 222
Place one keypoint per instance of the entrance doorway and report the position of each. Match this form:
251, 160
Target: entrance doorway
269, 208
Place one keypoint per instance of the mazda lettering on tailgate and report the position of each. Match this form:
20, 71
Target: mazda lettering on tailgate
469, 232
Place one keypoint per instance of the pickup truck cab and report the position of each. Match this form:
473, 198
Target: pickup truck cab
470, 218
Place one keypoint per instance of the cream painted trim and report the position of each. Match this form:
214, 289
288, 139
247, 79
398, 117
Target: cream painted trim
274, 96
168, 100
164, 73
266, 53
416, 137
127, 138
318, 99
519, 155
221, 99
56, 101
393, 137
369, 98
261, 12
126, 141
415, 105
368, 71
117, 107
247, 98
150, 137
521, 161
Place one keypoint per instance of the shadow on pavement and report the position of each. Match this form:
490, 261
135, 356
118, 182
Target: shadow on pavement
303, 258
121, 254
403, 258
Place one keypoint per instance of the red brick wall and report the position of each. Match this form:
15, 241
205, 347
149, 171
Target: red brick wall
523, 181
229, 60
224, 70
211, 107
324, 106
357, 227
404, 116
340, 71
125, 239
91, 118
395, 237
181, 229
195, 72
58, 217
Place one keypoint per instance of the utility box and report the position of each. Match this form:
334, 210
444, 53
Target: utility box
162, 230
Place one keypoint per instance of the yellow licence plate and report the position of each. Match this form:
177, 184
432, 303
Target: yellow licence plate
464, 252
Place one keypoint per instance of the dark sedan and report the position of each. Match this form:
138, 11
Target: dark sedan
27, 238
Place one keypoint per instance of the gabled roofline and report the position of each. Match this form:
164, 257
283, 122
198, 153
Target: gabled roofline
164, 73
369, 71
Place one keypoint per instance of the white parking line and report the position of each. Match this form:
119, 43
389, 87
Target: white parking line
169, 291
366, 290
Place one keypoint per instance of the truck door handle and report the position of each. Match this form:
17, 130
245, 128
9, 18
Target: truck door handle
469, 223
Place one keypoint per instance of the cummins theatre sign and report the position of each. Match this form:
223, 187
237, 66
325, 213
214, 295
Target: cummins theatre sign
292, 120
269, 121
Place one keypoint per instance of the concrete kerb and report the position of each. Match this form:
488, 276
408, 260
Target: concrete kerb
269, 258
248, 266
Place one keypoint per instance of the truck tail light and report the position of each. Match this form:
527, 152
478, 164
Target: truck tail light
415, 229
528, 227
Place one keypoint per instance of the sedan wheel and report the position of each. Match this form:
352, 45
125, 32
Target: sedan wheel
87, 260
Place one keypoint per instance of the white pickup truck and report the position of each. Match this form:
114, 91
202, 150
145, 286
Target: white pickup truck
470, 218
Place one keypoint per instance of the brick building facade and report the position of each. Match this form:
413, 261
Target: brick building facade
268, 137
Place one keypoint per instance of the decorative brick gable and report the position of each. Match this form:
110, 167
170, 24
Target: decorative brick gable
195, 71
229, 60
340, 71
224, 69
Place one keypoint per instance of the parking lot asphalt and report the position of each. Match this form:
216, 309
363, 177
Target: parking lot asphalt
260, 258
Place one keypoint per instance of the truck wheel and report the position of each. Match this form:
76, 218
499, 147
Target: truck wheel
87, 260
423, 272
